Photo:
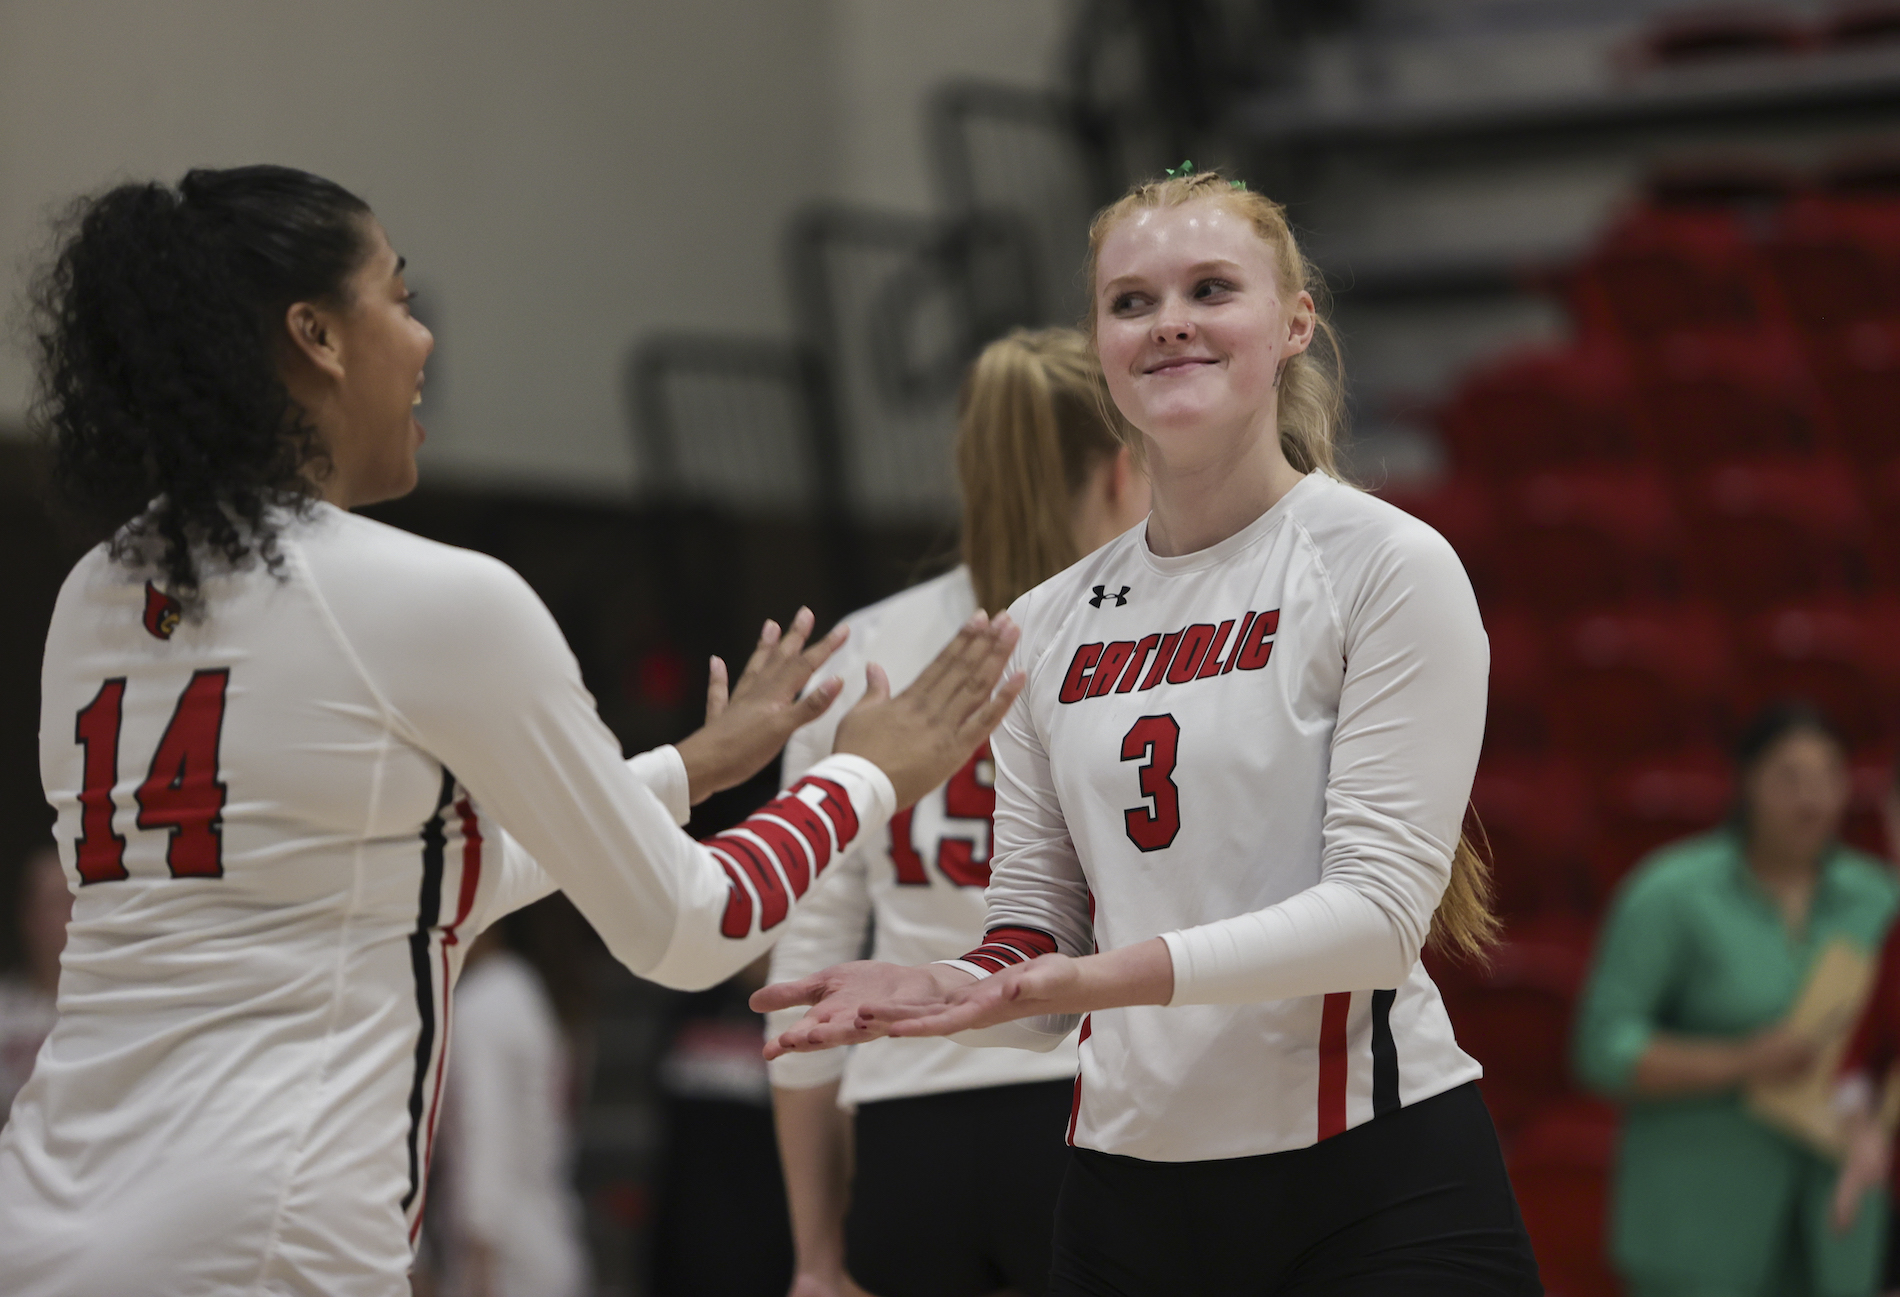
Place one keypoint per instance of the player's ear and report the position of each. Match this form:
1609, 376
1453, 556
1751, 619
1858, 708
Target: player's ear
315, 338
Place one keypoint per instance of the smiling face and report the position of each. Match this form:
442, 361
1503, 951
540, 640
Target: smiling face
1192, 327
386, 348
356, 372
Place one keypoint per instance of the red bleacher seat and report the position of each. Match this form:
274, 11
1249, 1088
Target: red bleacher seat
1560, 1166
1664, 269
1460, 509
1828, 265
1714, 395
1766, 530
1517, 716
1883, 555
1585, 537
1514, 1017
1535, 816
1867, 827
1819, 651
1540, 408
1857, 370
1640, 680
1657, 800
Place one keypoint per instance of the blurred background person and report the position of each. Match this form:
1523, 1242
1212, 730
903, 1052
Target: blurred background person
1866, 1070
1707, 946
882, 1196
42, 908
720, 1223
511, 1222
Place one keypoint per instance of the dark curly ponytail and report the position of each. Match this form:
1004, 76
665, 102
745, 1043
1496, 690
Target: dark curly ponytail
159, 330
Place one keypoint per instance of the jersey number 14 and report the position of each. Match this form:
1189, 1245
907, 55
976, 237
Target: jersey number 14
181, 793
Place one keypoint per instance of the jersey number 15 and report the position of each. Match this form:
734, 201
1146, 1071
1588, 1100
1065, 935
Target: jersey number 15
181, 793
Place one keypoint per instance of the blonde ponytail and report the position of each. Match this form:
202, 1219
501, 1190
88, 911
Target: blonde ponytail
1030, 428
1465, 924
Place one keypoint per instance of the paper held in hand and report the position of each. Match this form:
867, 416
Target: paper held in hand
1830, 1003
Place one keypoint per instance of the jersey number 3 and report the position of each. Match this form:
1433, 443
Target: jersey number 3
181, 793
1157, 738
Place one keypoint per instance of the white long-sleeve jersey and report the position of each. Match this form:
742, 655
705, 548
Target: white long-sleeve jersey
915, 892
282, 822
1261, 752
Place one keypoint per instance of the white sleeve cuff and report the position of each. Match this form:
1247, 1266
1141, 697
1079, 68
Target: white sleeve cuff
663, 771
1183, 961
876, 783
974, 970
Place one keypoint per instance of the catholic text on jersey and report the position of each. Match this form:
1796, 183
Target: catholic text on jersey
1195, 652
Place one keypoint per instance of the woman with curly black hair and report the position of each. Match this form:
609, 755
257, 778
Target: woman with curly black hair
299, 759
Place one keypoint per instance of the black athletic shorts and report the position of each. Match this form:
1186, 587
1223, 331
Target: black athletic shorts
955, 1194
1415, 1203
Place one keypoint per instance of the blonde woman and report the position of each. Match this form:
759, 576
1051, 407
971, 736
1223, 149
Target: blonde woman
1242, 779
1045, 480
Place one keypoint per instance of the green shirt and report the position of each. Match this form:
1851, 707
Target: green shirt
1694, 947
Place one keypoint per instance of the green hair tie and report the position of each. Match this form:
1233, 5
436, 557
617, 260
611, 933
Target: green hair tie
1185, 169
1237, 184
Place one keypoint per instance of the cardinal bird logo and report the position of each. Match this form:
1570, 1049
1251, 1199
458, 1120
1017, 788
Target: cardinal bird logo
161, 612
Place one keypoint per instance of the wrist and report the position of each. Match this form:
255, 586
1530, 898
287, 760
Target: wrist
947, 977
1139, 974
700, 755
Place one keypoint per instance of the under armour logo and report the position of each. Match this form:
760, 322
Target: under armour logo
1101, 592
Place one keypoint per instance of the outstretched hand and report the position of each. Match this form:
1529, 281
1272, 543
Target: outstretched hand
920, 737
746, 726
1044, 985
838, 996
862, 1001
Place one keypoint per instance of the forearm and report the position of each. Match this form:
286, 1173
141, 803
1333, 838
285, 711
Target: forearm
814, 1142
1676, 1066
1328, 938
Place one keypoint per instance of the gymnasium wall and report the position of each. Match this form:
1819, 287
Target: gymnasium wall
564, 177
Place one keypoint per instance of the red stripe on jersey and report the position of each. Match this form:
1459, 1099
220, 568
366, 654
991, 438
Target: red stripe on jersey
1332, 1064
786, 848
464, 902
736, 923
1075, 1102
774, 904
809, 824
836, 804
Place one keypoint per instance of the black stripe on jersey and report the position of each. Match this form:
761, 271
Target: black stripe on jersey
429, 910
1385, 1055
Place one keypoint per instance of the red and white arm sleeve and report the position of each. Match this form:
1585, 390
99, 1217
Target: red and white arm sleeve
770, 861
477, 674
1405, 748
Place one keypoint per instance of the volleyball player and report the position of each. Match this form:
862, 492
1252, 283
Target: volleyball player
1044, 480
299, 759
1243, 780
